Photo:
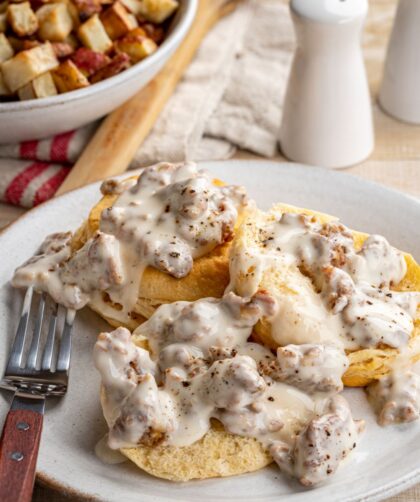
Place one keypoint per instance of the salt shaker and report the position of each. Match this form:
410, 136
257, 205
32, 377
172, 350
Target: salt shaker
400, 90
327, 115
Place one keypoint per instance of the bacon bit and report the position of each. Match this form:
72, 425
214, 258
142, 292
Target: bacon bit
29, 44
62, 49
118, 64
89, 61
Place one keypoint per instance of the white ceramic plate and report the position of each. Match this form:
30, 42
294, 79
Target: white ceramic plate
386, 461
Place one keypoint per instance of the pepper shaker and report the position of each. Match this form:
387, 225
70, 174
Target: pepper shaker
400, 90
327, 114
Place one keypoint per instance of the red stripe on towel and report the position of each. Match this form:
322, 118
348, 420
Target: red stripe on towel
28, 150
60, 146
20, 183
48, 189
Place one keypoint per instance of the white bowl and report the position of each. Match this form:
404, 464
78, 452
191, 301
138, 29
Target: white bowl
40, 118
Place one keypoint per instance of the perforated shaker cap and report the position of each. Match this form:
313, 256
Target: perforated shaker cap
330, 11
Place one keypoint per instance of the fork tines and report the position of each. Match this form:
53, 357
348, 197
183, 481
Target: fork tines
49, 369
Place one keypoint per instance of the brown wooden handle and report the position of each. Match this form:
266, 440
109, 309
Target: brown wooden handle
116, 141
19, 446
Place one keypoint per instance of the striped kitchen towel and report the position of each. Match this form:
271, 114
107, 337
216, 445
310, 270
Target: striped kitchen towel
231, 96
32, 171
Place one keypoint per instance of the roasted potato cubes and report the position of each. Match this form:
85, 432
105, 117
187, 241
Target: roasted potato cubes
40, 87
55, 22
134, 6
158, 11
22, 19
136, 45
6, 50
117, 21
27, 65
93, 35
68, 77
55, 46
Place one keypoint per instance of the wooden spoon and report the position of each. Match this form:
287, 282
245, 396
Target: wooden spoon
116, 141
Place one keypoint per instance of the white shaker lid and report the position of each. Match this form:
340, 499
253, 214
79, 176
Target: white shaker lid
330, 11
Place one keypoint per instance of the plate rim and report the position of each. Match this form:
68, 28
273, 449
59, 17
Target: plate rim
339, 173
389, 489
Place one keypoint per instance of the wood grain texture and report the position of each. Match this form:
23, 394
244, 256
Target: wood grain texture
116, 141
17, 476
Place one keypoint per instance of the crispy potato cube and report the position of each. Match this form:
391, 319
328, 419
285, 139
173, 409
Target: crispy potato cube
67, 77
6, 50
40, 87
87, 8
119, 63
3, 6
157, 11
44, 85
134, 6
3, 22
22, 19
88, 61
4, 90
27, 65
136, 45
72, 10
55, 22
26, 92
93, 35
117, 21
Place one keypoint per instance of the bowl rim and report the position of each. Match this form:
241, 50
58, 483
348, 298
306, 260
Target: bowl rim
176, 36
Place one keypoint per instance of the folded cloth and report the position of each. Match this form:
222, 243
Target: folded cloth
231, 96
27, 184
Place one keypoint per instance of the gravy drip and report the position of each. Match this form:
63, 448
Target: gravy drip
43, 271
343, 295
172, 215
201, 366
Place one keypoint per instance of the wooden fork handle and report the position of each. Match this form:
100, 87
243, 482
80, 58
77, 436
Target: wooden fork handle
19, 445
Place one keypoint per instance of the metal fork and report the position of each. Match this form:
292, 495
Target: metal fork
31, 383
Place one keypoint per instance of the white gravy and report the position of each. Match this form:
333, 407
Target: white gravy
200, 363
341, 296
172, 215
201, 366
396, 397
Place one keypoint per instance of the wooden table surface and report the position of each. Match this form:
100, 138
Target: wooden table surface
394, 163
